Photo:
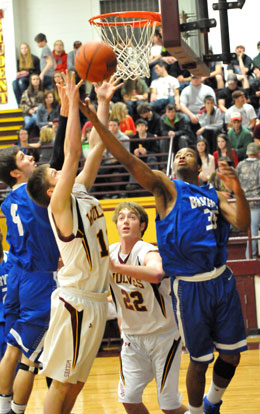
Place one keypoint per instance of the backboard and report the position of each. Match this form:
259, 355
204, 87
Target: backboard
188, 46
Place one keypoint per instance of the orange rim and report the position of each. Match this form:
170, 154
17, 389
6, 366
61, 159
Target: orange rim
144, 16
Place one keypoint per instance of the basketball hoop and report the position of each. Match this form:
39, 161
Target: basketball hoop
130, 34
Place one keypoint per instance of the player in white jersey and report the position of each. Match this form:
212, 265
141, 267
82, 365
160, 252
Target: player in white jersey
151, 340
79, 305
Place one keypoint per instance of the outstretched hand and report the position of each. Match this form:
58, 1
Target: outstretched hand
72, 89
229, 177
106, 90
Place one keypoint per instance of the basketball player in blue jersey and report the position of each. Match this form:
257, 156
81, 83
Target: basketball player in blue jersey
5, 266
192, 232
31, 280
79, 304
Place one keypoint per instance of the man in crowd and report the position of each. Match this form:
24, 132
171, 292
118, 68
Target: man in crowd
246, 110
248, 172
47, 62
238, 135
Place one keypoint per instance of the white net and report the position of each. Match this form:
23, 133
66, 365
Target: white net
131, 40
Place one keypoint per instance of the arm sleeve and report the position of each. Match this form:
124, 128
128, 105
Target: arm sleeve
57, 157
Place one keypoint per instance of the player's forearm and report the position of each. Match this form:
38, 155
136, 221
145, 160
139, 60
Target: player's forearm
242, 212
73, 132
146, 273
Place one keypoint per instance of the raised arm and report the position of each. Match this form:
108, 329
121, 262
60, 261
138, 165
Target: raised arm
238, 213
154, 181
104, 93
60, 200
151, 271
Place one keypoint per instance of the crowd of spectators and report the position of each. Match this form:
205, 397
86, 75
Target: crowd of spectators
217, 114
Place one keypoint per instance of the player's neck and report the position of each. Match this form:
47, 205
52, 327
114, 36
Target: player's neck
188, 178
126, 245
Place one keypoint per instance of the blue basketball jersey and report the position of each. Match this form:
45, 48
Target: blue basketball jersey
29, 234
4, 269
192, 238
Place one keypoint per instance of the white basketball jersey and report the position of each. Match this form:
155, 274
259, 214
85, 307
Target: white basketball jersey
143, 307
85, 253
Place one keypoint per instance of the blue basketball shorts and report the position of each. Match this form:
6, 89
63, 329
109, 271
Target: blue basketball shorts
2, 340
27, 309
209, 316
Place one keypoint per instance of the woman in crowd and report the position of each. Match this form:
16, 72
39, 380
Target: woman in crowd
127, 125
225, 150
26, 65
134, 92
57, 78
47, 111
46, 142
31, 99
26, 147
208, 161
60, 56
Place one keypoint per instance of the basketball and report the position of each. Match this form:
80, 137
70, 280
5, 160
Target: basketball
95, 61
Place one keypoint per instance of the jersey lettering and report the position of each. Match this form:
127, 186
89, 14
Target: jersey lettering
103, 248
94, 214
16, 219
119, 278
134, 301
212, 218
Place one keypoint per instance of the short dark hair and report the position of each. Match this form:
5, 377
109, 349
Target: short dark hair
209, 98
114, 120
258, 44
237, 94
38, 185
40, 37
161, 63
143, 108
141, 121
8, 164
170, 106
131, 205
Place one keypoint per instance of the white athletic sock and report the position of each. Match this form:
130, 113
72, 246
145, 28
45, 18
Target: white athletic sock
18, 408
195, 410
5, 403
215, 393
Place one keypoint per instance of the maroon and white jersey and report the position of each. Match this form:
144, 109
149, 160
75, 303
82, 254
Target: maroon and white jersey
144, 308
85, 253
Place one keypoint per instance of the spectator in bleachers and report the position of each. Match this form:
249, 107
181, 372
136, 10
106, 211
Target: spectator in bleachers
216, 77
225, 99
225, 150
145, 111
217, 183
72, 54
127, 125
85, 133
47, 63
192, 99
239, 136
254, 92
211, 122
249, 176
57, 78
27, 147
31, 99
46, 142
256, 134
246, 111
256, 60
134, 92
164, 89
174, 124
47, 111
242, 65
26, 65
60, 56
208, 161
144, 146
